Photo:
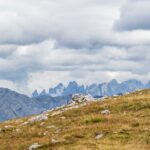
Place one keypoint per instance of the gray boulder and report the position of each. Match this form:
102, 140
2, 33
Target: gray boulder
80, 98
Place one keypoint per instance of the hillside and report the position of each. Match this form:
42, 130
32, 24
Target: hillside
124, 125
15, 105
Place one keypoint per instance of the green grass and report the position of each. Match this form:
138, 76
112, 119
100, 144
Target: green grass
95, 120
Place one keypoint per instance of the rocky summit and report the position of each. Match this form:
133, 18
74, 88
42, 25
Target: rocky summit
96, 89
80, 98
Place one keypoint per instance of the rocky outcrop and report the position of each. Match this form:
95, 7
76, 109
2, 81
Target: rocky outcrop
80, 98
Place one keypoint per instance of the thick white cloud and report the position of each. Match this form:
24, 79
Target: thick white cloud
43, 42
44, 64
70, 22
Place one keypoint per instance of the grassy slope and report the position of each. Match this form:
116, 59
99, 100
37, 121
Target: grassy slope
126, 128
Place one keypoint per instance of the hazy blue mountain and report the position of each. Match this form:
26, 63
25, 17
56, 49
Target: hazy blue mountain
72, 88
148, 84
13, 104
57, 91
93, 90
47, 102
113, 87
130, 85
35, 94
43, 93
96, 90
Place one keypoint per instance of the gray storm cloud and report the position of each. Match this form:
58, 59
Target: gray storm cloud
134, 16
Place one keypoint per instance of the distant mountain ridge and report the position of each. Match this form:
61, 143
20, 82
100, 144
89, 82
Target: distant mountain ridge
14, 105
96, 90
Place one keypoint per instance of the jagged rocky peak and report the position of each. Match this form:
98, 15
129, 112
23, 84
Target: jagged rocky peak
113, 87
133, 82
73, 88
73, 84
43, 93
60, 85
80, 98
147, 85
113, 82
93, 90
97, 89
35, 94
57, 91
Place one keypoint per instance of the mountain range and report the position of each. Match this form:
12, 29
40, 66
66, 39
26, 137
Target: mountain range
96, 90
16, 105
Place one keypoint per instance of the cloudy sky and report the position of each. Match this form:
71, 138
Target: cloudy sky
44, 42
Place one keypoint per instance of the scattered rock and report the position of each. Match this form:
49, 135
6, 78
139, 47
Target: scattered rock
56, 113
63, 117
99, 136
49, 127
104, 97
42, 123
105, 112
34, 146
54, 141
40, 134
25, 123
38, 118
8, 126
18, 130
45, 133
58, 131
115, 95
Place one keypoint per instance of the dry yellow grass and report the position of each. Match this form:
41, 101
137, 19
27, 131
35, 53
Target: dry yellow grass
126, 128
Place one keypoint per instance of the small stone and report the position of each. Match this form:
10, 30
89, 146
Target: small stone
56, 113
18, 130
98, 136
38, 118
34, 146
63, 117
105, 112
25, 123
9, 126
45, 133
54, 141
49, 127
42, 123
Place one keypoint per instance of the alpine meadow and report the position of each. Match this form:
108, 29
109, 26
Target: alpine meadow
74, 75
